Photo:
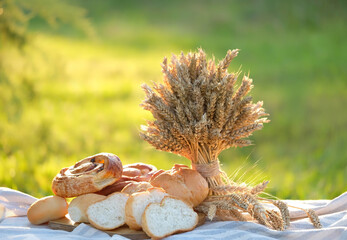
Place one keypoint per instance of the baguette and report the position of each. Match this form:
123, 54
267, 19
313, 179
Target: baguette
172, 215
79, 205
47, 209
137, 203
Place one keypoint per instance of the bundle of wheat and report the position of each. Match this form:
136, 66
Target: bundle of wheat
198, 113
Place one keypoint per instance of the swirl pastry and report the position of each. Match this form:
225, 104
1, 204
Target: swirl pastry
136, 172
88, 175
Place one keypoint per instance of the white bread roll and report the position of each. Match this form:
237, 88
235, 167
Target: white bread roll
182, 182
79, 205
135, 187
137, 204
2, 212
47, 209
168, 217
109, 213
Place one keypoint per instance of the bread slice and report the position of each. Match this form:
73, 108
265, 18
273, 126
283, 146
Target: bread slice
109, 213
137, 204
79, 205
170, 216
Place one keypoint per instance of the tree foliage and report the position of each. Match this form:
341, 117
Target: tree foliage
18, 67
15, 17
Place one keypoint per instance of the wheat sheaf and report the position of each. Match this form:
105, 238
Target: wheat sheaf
199, 112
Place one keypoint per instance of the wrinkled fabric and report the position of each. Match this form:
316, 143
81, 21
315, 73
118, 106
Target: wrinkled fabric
333, 216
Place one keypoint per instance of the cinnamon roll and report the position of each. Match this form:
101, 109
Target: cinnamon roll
88, 175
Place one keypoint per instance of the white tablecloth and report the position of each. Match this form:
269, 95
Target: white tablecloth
333, 215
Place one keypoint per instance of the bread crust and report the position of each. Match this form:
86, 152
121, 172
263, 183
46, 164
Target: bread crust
96, 225
183, 182
47, 209
139, 172
130, 219
132, 173
146, 229
88, 175
135, 187
129, 216
82, 203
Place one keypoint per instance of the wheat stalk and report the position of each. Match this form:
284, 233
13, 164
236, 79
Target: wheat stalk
199, 112
314, 218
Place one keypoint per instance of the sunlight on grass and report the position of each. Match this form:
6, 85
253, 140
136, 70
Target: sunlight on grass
68, 97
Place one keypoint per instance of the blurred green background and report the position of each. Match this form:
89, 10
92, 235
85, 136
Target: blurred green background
70, 76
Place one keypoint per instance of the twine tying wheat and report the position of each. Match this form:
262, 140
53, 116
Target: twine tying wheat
199, 113
207, 169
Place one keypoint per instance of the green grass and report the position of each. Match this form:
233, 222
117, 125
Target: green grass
70, 96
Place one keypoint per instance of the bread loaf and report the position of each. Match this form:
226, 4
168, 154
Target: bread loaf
79, 205
47, 209
183, 182
172, 215
109, 213
137, 203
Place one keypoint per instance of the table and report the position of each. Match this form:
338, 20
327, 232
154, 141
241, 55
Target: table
333, 216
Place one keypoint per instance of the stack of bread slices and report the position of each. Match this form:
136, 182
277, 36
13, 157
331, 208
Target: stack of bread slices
153, 210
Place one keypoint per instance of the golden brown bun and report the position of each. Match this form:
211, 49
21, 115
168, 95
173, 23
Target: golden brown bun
88, 175
182, 182
79, 205
47, 209
136, 187
139, 172
136, 172
115, 187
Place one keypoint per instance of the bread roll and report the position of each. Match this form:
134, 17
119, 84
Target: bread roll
79, 205
140, 172
2, 212
116, 187
88, 175
135, 187
182, 182
132, 173
47, 209
172, 215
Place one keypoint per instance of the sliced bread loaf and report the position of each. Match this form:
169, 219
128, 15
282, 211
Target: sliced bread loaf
170, 216
137, 203
109, 213
79, 205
